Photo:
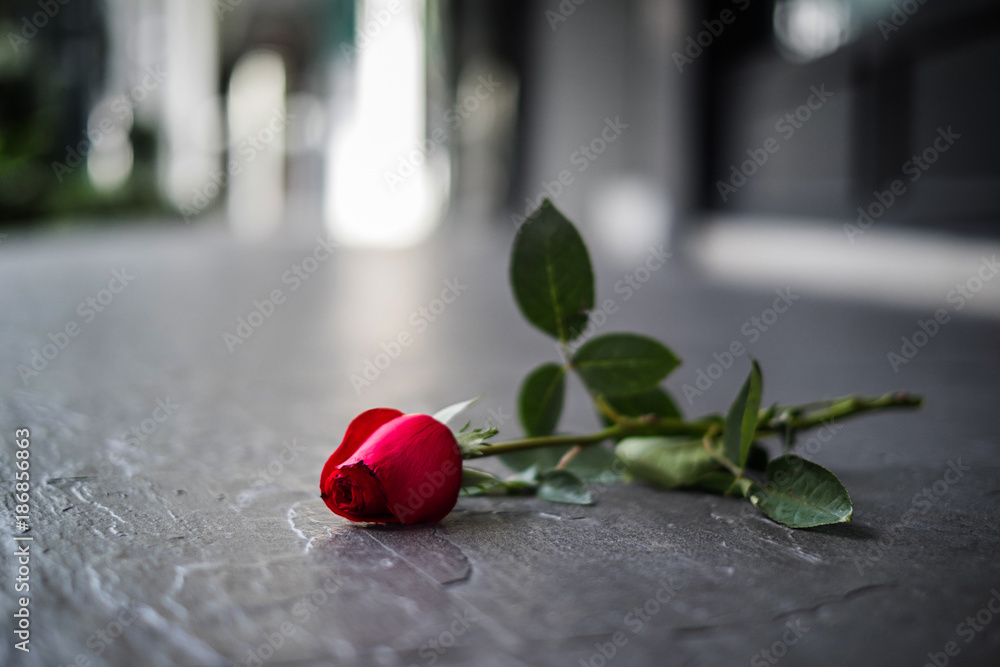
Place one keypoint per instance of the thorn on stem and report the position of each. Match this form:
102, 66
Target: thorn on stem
568, 456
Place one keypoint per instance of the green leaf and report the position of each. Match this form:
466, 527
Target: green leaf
801, 494
473, 477
541, 399
717, 481
529, 475
551, 275
595, 463
563, 486
666, 462
544, 458
757, 458
503, 488
653, 402
445, 415
740, 487
479, 483
767, 414
623, 364
741, 422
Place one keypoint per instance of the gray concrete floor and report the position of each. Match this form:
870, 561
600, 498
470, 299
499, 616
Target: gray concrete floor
205, 538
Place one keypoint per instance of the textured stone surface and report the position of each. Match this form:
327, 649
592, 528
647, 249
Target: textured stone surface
181, 534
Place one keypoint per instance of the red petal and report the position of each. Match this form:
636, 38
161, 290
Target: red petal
357, 432
354, 493
418, 465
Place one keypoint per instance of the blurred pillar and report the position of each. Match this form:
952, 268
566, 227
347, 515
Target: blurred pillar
191, 128
257, 123
387, 174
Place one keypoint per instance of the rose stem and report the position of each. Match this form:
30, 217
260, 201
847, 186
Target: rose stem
786, 417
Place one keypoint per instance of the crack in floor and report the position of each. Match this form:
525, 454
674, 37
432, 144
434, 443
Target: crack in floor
843, 597
737, 624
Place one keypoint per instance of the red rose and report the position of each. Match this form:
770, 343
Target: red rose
393, 468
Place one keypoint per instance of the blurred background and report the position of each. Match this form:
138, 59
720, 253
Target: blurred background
766, 133
840, 153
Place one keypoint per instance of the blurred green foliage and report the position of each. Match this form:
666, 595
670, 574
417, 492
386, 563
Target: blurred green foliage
46, 91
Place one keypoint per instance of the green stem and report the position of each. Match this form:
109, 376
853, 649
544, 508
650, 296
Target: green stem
787, 417
546, 441
605, 409
840, 408
628, 427
707, 442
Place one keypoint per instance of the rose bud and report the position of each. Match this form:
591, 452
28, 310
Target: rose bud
393, 468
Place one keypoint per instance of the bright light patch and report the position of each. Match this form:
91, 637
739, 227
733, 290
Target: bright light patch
382, 191
109, 169
889, 266
257, 123
629, 214
810, 29
109, 162
191, 127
